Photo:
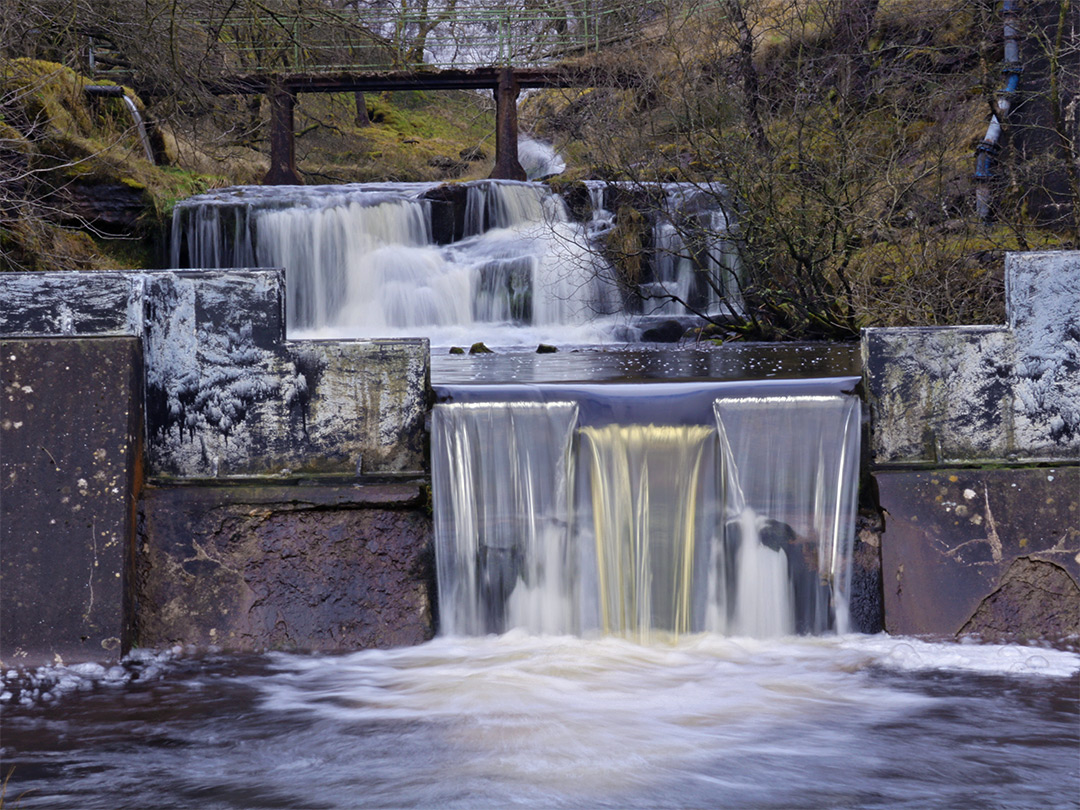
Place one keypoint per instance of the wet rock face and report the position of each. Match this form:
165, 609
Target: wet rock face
70, 469
991, 552
113, 208
327, 568
1034, 598
669, 331
448, 204
866, 604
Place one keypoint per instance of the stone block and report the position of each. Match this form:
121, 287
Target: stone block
939, 396
70, 469
227, 396
93, 304
1043, 304
993, 552
962, 395
312, 568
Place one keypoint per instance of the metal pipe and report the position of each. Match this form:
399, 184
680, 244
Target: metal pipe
108, 90
984, 152
116, 91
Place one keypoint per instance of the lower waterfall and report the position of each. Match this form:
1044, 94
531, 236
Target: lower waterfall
644, 486
557, 512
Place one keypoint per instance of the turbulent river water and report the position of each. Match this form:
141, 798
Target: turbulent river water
552, 721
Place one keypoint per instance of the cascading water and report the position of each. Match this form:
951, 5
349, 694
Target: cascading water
790, 474
694, 262
539, 159
503, 508
641, 510
622, 509
733, 516
140, 127
644, 486
502, 262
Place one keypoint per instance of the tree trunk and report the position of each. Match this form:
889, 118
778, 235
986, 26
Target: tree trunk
361, 119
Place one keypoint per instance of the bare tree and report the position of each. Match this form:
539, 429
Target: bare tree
842, 135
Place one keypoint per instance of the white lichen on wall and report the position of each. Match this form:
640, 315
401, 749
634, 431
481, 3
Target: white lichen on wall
226, 394
984, 393
1044, 314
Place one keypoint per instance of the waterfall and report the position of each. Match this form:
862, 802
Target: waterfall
564, 514
502, 509
645, 482
791, 475
505, 263
140, 126
539, 159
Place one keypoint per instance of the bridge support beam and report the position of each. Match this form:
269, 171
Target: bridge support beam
282, 140
507, 166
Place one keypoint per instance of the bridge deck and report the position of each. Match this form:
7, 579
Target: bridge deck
483, 78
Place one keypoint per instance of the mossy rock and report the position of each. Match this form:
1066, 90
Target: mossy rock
29, 244
87, 166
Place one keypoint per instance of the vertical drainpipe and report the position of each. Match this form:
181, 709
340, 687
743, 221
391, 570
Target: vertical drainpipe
1011, 70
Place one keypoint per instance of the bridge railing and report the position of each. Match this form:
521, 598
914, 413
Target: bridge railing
381, 38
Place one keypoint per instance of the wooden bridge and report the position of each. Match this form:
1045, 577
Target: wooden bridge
504, 46
505, 83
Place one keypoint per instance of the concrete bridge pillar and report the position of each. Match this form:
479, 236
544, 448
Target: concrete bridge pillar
282, 142
507, 166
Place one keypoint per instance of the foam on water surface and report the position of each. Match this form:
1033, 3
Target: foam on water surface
560, 721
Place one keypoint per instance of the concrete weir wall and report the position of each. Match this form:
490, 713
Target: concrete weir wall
175, 471
975, 451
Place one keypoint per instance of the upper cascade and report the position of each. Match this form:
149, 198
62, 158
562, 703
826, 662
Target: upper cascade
499, 261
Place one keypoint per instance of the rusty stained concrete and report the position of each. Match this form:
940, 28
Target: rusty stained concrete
990, 552
286, 567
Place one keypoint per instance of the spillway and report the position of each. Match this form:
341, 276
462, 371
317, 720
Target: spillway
639, 510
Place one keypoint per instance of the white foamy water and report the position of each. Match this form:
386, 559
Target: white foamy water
511, 269
578, 722
555, 721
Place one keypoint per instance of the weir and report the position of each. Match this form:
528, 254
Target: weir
628, 509
641, 510
676, 491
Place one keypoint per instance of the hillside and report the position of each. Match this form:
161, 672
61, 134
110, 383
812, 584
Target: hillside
850, 144
846, 132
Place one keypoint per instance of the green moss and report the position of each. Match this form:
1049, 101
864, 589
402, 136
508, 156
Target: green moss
67, 138
42, 246
412, 136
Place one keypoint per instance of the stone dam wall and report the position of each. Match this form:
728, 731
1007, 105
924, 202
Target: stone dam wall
173, 470
975, 456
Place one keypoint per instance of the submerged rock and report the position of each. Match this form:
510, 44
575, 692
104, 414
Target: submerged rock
546, 348
670, 331
480, 348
